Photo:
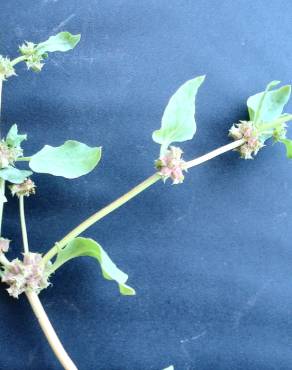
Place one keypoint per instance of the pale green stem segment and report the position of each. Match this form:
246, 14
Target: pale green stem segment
100, 214
214, 153
23, 159
49, 332
18, 60
131, 194
23, 224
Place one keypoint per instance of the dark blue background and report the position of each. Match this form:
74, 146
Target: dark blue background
211, 260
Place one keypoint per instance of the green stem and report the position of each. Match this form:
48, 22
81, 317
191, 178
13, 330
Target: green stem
131, 194
18, 60
23, 224
49, 331
100, 214
23, 159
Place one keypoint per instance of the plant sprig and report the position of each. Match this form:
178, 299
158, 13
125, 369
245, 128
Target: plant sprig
31, 274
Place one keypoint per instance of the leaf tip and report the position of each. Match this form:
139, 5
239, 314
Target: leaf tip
126, 290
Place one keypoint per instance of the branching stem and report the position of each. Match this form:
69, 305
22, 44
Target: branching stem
32, 297
38, 309
131, 194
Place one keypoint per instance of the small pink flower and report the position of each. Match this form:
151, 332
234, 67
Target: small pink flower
170, 165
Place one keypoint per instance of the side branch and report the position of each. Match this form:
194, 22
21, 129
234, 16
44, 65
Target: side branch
131, 194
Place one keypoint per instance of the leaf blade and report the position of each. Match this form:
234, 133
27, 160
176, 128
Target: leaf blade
270, 103
63, 41
79, 247
14, 175
178, 122
70, 160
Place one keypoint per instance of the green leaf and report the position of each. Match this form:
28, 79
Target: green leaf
63, 41
288, 144
13, 139
79, 247
268, 105
14, 175
70, 160
178, 122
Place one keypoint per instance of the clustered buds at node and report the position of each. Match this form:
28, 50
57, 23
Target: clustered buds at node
4, 245
27, 275
280, 132
32, 58
8, 155
26, 188
27, 48
253, 143
6, 68
170, 165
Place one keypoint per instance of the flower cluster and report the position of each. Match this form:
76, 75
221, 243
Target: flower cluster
32, 58
8, 155
245, 130
171, 165
26, 188
6, 68
27, 275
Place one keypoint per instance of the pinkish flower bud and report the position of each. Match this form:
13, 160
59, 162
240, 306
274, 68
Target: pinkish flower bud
246, 130
27, 275
26, 188
170, 165
4, 245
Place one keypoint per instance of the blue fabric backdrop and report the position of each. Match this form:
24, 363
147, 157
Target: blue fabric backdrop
211, 260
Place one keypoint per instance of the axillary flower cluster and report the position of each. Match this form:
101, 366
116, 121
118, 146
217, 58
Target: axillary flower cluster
171, 165
31, 274
247, 131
